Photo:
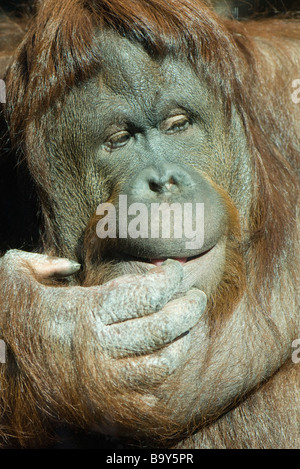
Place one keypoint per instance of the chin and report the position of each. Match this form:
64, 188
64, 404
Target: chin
203, 270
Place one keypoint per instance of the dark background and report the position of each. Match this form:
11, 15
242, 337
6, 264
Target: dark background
247, 8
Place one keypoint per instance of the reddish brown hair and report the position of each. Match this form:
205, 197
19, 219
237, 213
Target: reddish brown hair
61, 50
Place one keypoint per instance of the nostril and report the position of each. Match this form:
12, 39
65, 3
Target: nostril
170, 183
155, 186
162, 185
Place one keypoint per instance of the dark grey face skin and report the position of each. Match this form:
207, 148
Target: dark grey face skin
156, 132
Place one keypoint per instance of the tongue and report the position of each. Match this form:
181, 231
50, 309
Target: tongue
159, 262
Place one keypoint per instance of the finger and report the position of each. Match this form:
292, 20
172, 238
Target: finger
151, 370
135, 296
45, 266
150, 333
54, 267
41, 265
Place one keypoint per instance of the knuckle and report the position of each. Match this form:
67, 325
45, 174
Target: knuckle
170, 270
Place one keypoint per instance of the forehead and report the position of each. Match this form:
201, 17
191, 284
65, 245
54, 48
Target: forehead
134, 87
126, 64
128, 69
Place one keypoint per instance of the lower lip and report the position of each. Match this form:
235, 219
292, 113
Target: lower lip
182, 260
195, 268
159, 262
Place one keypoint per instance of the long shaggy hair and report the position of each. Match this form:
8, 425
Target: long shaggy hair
61, 50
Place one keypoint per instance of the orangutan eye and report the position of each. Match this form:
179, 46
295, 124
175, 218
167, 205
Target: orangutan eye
175, 124
117, 140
